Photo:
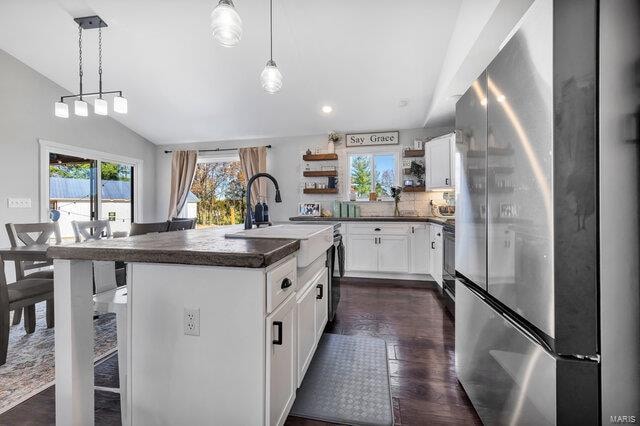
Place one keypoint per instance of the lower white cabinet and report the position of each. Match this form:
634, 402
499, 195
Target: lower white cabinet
281, 361
420, 251
362, 253
436, 253
393, 253
306, 307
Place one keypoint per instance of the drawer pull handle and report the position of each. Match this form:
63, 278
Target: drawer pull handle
278, 340
321, 288
378, 229
286, 283
433, 245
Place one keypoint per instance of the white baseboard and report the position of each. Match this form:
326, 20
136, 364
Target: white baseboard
388, 275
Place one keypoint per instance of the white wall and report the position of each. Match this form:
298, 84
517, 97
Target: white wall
284, 163
26, 114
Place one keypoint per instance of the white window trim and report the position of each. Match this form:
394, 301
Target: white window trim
47, 147
373, 150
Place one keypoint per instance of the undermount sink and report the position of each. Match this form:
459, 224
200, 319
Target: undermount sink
315, 240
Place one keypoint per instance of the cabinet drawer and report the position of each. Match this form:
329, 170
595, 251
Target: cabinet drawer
379, 228
281, 282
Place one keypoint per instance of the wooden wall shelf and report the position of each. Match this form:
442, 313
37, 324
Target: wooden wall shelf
412, 153
320, 190
414, 188
320, 157
320, 173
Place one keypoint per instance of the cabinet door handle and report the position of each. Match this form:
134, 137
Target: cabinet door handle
377, 229
278, 340
433, 245
446, 181
321, 295
286, 283
413, 231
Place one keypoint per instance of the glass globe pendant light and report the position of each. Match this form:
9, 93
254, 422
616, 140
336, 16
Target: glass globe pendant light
271, 77
226, 24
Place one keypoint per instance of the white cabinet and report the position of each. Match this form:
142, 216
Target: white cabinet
436, 256
362, 253
420, 252
439, 162
306, 329
393, 253
281, 361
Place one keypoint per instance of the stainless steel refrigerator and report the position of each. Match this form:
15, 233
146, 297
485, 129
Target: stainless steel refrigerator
533, 307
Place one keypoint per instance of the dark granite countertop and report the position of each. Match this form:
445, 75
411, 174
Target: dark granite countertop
194, 247
449, 223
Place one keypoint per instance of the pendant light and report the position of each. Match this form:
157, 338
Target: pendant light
100, 106
226, 24
271, 77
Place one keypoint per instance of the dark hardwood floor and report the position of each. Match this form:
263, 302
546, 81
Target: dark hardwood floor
408, 315
420, 341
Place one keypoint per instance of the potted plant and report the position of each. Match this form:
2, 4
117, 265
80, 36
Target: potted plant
334, 138
395, 194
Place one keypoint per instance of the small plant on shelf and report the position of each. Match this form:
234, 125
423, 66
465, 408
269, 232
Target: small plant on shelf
334, 138
395, 194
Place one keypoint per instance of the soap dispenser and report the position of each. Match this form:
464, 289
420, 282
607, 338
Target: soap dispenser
258, 212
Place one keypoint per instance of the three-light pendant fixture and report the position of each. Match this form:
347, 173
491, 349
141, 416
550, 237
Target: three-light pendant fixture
227, 30
100, 105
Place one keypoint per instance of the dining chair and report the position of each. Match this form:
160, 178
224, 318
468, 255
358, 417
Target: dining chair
28, 234
148, 228
180, 224
93, 230
88, 230
22, 294
110, 298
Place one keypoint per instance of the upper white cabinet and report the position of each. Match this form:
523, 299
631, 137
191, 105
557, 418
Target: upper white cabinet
420, 252
439, 162
436, 253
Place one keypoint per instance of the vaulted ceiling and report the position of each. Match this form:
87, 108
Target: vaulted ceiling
362, 57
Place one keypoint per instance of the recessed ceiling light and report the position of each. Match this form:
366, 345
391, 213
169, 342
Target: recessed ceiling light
327, 109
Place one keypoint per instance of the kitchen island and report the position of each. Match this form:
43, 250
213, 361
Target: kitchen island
212, 328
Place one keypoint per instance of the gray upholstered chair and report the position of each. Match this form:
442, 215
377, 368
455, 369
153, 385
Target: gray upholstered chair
22, 294
179, 224
148, 228
27, 234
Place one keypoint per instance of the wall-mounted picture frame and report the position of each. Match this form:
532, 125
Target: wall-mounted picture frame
372, 139
309, 209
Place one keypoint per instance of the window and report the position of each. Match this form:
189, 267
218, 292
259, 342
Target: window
373, 172
217, 193
73, 192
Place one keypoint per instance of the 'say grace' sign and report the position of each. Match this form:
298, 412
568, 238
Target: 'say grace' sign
372, 139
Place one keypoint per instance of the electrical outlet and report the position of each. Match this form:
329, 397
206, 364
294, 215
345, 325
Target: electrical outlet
191, 322
19, 203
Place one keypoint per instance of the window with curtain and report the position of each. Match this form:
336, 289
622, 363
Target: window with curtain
217, 192
373, 172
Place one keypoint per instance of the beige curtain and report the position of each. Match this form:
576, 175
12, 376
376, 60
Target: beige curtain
183, 168
254, 160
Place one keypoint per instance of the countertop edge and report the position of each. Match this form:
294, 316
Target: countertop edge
423, 219
178, 257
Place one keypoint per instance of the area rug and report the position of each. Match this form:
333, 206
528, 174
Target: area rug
347, 383
30, 362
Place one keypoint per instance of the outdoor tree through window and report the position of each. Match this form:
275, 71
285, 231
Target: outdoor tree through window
373, 173
218, 194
